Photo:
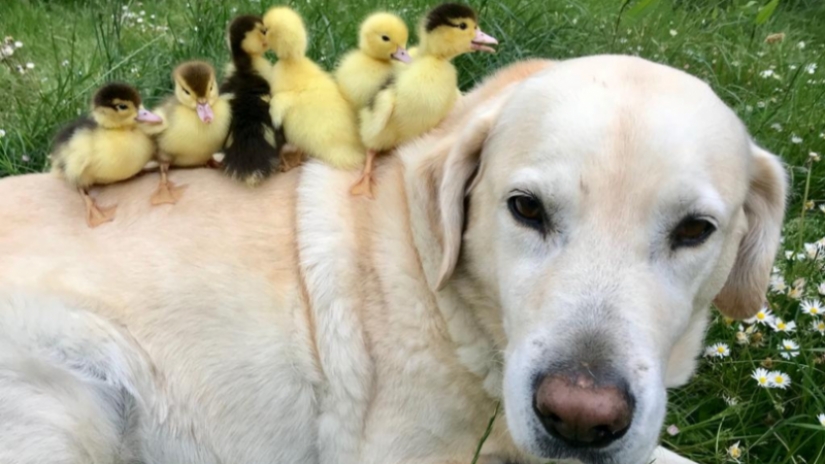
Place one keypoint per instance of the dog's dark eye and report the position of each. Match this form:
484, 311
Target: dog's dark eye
385, 38
691, 232
527, 210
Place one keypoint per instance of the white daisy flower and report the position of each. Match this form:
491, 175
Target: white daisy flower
789, 254
819, 326
764, 316
6, 51
762, 377
778, 284
779, 380
796, 293
730, 401
29, 65
672, 430
735, 451
742, 338
673, 32
781, 326
821, 419
766, 73
812, 307
789, 349
777, 127
814, 156
719, 350
811, 249
2, 133
796, 139
810, 68
18, 44
800, 45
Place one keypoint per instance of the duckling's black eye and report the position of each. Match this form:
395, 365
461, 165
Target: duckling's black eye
385, 38
462, 26
186, 92
527, 210
122, 107
691, 232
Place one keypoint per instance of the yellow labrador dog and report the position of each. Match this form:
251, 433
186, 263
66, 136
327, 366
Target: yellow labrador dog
554, 246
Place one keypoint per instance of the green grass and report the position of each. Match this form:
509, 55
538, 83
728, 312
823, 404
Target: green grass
77, 45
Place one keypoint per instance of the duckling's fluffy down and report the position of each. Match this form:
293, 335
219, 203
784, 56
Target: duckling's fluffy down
306, 100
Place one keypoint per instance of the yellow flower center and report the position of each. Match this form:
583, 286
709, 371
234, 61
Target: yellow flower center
779, 379
814, 310
763, 380
720, 349
760, 316
781, 325
735, 452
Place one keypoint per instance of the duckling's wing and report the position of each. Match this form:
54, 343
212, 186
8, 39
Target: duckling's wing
62, 139
376, 116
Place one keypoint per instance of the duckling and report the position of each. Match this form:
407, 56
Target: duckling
106, 147
382, 39
407, 108
251, 151
196, 122
306, 101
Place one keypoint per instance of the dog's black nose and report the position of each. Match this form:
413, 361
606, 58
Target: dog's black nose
583, 411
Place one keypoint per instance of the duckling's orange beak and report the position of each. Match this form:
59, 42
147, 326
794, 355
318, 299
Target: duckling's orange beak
481, 41
401, 55
205, 112
148, 117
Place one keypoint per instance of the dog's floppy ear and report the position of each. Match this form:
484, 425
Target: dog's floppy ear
744, 292
461, 165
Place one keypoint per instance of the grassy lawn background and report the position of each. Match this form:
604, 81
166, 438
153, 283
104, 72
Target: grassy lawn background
71, 47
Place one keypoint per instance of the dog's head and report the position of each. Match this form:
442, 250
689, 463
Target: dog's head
592, 213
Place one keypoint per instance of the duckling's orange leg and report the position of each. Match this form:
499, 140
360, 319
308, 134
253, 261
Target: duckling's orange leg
166, 193
364, 184
95, 215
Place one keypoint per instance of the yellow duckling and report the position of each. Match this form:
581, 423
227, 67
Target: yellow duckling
423, 92
105, 148
306, 101
196, 122
382, 39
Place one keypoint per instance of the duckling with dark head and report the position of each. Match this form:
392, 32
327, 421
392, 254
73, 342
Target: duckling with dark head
253, 145
106, 147
196, 124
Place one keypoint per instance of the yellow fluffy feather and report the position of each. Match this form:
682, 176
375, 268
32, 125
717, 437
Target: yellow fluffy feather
423, 92
105, 148
382, 41
306, 100
196, 123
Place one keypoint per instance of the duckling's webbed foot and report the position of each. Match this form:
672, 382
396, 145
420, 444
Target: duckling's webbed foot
96, 215
291, 157
364, 185
214, 164
167, 192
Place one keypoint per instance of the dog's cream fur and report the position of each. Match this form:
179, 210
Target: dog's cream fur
296, 324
